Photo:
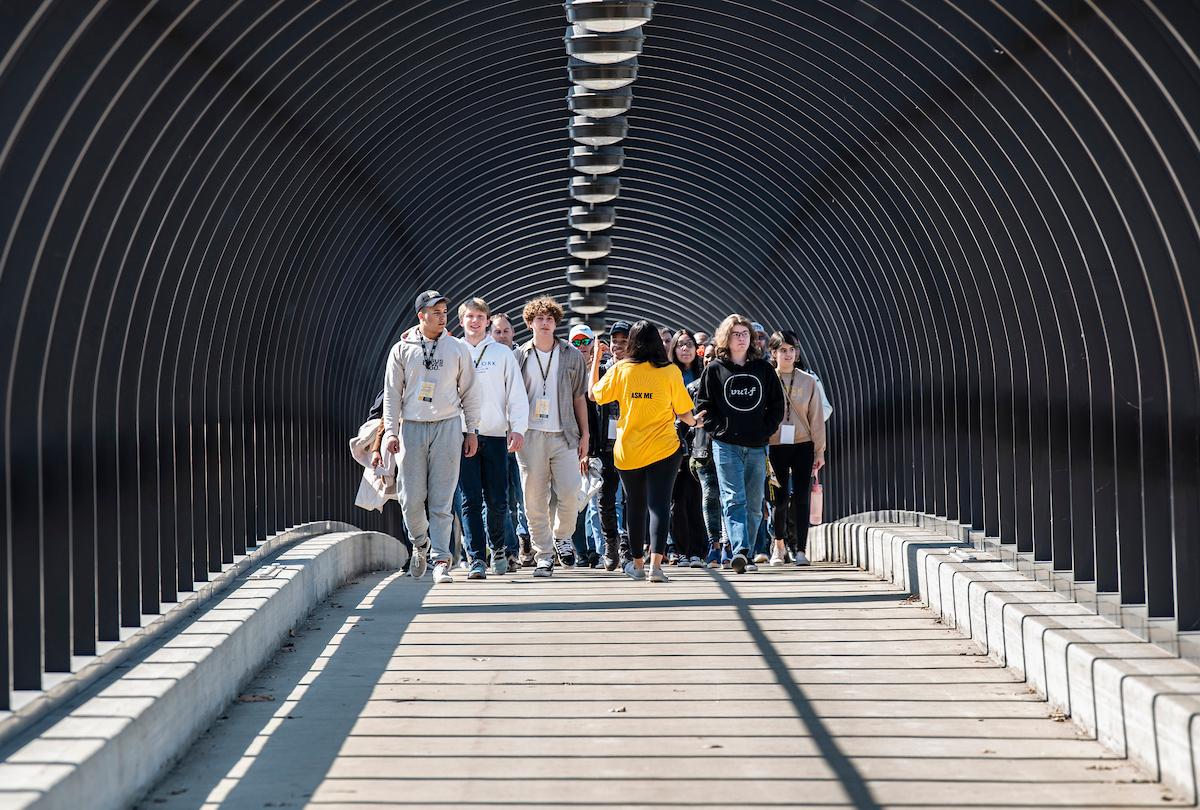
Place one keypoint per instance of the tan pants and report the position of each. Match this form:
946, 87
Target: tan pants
549, 465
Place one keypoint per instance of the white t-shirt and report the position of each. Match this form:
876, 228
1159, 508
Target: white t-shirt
548, 392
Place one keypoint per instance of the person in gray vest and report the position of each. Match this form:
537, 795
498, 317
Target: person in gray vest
556, 443
431, 420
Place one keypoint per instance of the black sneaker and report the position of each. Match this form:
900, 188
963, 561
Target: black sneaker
565, 550
610, 562
593, 559
526, 551
739, 562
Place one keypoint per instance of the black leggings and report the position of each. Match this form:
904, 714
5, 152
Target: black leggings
687, 515
793, 465
648, 504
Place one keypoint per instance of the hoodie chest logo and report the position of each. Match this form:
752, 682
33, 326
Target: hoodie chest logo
743, 392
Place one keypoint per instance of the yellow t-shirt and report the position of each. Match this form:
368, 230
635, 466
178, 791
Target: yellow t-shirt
649, 397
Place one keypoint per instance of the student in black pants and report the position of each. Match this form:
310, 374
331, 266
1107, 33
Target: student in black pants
797, 449
652, 396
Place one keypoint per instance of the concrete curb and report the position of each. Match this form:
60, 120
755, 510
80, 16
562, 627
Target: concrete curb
112, 746
1133, 696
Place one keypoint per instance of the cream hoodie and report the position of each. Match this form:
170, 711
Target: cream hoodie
503, 404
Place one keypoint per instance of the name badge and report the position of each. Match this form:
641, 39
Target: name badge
425, 393
541, 409
787, 434
612, 429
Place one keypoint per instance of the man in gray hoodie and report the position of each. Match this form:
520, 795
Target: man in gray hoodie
431, 420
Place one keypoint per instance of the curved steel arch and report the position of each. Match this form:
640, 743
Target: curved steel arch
979, 216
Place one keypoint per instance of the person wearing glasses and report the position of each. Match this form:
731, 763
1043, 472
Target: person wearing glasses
556, 444
504, 418
431, 421
797, 449
652, 396
743, 399
692, 540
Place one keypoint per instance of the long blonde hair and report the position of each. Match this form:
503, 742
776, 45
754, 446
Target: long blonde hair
721, 339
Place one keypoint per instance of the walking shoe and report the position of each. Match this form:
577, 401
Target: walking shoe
582, 562
761, 558
801, 559
526, 551
714, 557
672, 558
463, 564
565, 550
777, 556
657, 575
610, 563
514, 563
420, 561
739, 563
633, 572
441, 573
593, 560
696, 562
726, 555
751, 567
543, 569
478, 570
499, 563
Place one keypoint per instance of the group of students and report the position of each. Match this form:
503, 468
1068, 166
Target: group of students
583, 453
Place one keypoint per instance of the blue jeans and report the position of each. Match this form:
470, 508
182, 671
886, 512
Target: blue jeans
515, 523
483, 479
595, 531
762, 542
741, 473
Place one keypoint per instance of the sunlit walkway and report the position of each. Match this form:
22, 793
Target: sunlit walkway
817, 687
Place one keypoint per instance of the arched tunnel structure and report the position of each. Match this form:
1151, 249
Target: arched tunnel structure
980, 217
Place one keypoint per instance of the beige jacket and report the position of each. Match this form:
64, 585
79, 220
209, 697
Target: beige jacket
803, 409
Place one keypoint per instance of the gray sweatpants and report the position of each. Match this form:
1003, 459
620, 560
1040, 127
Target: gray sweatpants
548, 464
430, 453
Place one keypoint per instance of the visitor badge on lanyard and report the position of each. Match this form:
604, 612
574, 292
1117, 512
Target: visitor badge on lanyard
787, 434
612, 429
541, 408
425, 393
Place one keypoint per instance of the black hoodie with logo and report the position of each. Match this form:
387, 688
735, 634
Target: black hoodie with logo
744, 403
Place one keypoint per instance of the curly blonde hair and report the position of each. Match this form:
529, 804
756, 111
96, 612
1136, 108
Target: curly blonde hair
542, 305
721, 338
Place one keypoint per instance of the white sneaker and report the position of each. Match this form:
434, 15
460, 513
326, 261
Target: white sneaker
801, 559
658, 575
751, 567
420, 561
441, 573
544, 569
776, 557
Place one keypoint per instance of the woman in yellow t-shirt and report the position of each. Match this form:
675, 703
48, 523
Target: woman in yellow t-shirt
650, 390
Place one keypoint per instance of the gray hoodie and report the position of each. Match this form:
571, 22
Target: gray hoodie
450, 373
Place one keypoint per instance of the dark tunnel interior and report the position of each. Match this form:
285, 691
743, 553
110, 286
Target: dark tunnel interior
979, 216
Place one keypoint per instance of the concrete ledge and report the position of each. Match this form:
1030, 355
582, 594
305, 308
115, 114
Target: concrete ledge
108, 749
61, 688
1132, 695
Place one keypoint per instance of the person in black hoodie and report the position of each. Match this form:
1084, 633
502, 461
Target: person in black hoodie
744, 400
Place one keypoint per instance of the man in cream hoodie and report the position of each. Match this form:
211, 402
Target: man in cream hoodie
504, 417
431, 421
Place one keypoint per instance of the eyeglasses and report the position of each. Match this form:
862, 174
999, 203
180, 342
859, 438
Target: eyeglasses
742, 333
684, 343
581, 341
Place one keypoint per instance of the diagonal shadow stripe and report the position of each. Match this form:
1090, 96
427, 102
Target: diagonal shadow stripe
847, 774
